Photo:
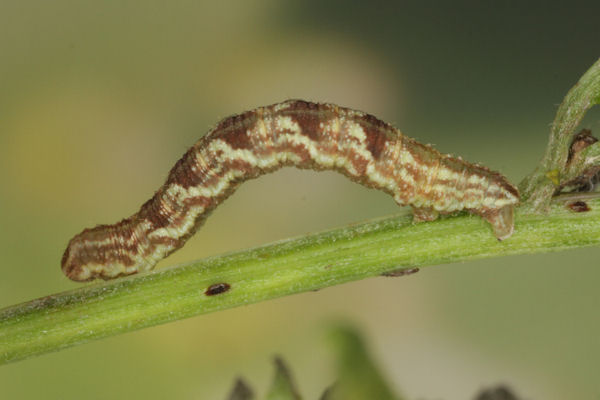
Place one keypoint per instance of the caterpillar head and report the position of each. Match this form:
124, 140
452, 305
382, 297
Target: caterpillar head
99, 252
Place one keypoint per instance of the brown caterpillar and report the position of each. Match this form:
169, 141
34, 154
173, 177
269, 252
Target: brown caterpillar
293, 133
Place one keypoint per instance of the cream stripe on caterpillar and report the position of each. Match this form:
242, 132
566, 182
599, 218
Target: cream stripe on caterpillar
293, 133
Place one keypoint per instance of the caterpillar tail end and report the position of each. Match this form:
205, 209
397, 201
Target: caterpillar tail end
72, 268
502, 221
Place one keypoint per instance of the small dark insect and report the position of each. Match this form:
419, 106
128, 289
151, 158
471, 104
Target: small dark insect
400, 272
582, 140
589, 179
579, 206
217, 288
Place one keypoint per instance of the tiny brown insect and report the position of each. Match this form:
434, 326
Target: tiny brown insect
293, 133
400, 272
579, 206
589, 178
217, 288
582, 140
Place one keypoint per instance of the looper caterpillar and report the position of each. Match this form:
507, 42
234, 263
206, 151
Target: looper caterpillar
293, 133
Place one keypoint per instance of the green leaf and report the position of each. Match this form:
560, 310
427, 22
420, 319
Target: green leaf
241, 391
283, 386
359, 377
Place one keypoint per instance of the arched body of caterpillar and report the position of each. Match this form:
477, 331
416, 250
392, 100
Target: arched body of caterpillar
293, 133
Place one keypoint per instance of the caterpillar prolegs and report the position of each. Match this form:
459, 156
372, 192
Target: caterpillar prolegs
293, 133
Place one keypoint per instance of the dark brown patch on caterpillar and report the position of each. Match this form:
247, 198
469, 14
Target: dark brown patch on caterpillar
217, 288
375, 140
235, 131
182, 173
308, 117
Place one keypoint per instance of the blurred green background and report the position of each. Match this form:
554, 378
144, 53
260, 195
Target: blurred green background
99, 99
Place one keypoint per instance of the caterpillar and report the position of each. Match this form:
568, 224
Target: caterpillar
292, 133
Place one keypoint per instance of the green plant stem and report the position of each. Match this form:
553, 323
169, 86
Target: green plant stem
293, 266
537, 188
